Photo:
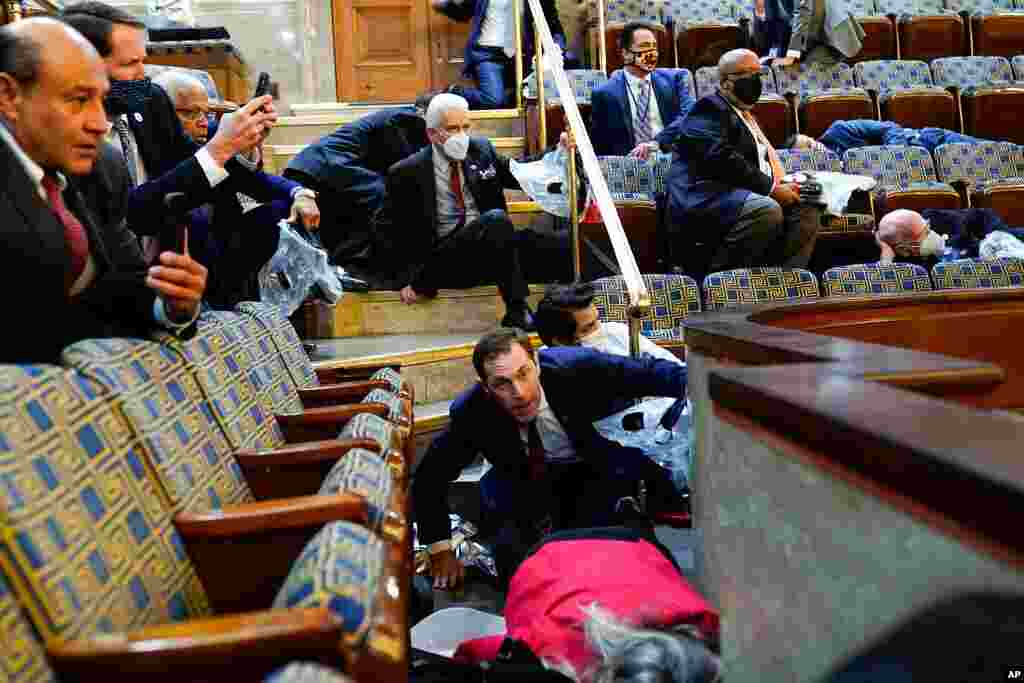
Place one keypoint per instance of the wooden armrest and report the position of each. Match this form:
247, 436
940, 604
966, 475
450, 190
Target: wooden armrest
340, 393
243, 647
336, 375
296, 469
267, 516
316, 424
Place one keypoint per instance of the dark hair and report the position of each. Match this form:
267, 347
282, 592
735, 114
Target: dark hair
21, 56
790, 142
96, 21
626, 37
496, 344
423, 99
554, 317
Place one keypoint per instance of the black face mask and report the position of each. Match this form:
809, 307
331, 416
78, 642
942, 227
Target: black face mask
127, 96
748, 89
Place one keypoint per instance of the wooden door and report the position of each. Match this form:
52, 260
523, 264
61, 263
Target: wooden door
447, 44
382, 49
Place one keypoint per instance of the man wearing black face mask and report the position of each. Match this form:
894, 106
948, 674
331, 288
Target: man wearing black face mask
630, 110
725, 184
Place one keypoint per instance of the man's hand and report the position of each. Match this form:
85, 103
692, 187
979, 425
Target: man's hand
446, 569
438, 4
784, 61
567, 142
305, 209
644, 150
408, 295
786, 193
180, 282
242, 130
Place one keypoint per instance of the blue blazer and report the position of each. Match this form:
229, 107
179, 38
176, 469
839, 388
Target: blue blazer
581, 385
611, 117
713, 171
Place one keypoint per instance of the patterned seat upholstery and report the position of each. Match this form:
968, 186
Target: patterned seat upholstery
635, 180
734, 289
906, 177
966, 73
989, 100
706, 29
879, 34
875, 279
340, 568
925, 29
84, 524
981, 7
981, 165
1017, 63
306, 672
825, 92
772, 110
386, 435
23, 659
794, 160
364, 474
673, 299
583, 82
978, 273
906, 94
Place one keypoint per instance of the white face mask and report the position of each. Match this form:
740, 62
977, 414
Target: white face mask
596, 339
456, 146
933, 245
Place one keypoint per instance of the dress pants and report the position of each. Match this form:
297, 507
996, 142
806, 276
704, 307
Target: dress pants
765, 234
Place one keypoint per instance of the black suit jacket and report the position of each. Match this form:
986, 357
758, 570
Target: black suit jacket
116, 303
412, 195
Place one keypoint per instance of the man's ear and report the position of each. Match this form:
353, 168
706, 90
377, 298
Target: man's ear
10, 96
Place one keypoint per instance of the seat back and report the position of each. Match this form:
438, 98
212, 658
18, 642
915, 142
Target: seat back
701, 12
733, 289
891, 165
794, 160
283, 334
980, 7
630, 179
971, 72
673, 299
861, 8
975, 164
875, 279
364, 473
1017, 63
892, 74
23, 659
899, 8
978, 273
632, 10
743, 9
171, 418
583, 82
707, 81
808, 78
85, 527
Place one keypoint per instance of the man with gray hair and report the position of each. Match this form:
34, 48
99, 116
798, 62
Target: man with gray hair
450, 225
191, 102
725, 185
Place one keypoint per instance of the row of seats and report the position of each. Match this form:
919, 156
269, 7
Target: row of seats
202, 510
676, 297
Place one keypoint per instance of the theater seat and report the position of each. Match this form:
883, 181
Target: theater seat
906, 178
673, 299
879, 32
925, 30
979, 273
990, 103
822, 94
772, 111
860, 223
1018, 67
904, 92
705, 30
583, 82
996, 26
875, 279
735, 289
23, 657
619, 13
990, 175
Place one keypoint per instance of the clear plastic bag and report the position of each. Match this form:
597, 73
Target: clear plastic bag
999, 243
297, 268
669, 448
538, 178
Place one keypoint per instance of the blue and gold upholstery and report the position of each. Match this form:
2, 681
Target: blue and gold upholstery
978, 273
383, 432
908, 81
981, 165
635, 180
900, 172
886, 75
397, 408
980, 7
22, 657
85, 528
901, 8
673, 299
875, 279
971, 73
732, 289
287, 339
365, 474
306, 672
687, 13
794, 160
175, 426
340, 568
583, 82
631, 10
807, 79
1017, 64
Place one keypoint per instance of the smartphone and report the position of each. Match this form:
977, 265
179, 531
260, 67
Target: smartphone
262, 85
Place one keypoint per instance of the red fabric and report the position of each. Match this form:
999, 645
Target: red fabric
631, 580
479, 649
456, 185
74, 233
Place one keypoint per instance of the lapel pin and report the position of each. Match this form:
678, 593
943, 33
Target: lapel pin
138, 117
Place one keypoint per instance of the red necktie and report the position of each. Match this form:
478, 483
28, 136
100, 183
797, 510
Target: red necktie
74, 233
460, 201
535, 453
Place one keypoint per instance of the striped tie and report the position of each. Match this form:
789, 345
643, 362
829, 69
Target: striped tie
643, 120
121, 126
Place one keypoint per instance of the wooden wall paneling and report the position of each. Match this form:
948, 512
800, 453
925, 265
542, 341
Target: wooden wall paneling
447, 45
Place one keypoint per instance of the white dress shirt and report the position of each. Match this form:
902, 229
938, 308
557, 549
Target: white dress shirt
447, 211
498, 28
759, 137
214, 172
557, 446
653, 113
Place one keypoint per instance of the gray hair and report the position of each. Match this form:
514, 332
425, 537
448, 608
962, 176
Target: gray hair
630, 654
442, 103
176, 82
729, 62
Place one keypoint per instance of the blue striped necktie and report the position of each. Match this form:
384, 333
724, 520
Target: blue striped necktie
643, 120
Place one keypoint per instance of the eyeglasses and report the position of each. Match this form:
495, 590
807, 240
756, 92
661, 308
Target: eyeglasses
193, 114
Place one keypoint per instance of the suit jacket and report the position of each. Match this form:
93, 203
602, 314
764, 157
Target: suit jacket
412, 199
581, 385
116, 303
611, 118
825, 22
476, 10
713, 171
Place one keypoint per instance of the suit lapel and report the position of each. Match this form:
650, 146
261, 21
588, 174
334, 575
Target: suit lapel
663, 95
428, 189
625, 102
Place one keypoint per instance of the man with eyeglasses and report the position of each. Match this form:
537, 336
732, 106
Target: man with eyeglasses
725, 184
531, 416
638, 102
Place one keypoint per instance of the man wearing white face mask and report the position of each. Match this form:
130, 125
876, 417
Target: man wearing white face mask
907, 234
450, 224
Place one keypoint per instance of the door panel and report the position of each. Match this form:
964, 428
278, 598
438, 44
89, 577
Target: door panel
448, 42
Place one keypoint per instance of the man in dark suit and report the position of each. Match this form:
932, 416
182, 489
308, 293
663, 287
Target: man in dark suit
638, 101
62, 207
449, 219
347, 168
725, 184
532, 417
491, 46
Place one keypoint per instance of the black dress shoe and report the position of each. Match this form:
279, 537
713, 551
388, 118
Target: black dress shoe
521, 318
353, 284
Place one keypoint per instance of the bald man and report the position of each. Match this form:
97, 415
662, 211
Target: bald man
725, 184
62, 207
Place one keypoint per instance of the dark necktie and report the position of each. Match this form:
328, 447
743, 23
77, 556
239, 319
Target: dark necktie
535, 464
643, 120
121, 126
460, 200
74, 233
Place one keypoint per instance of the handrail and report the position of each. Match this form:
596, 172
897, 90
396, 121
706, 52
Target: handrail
602, 50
